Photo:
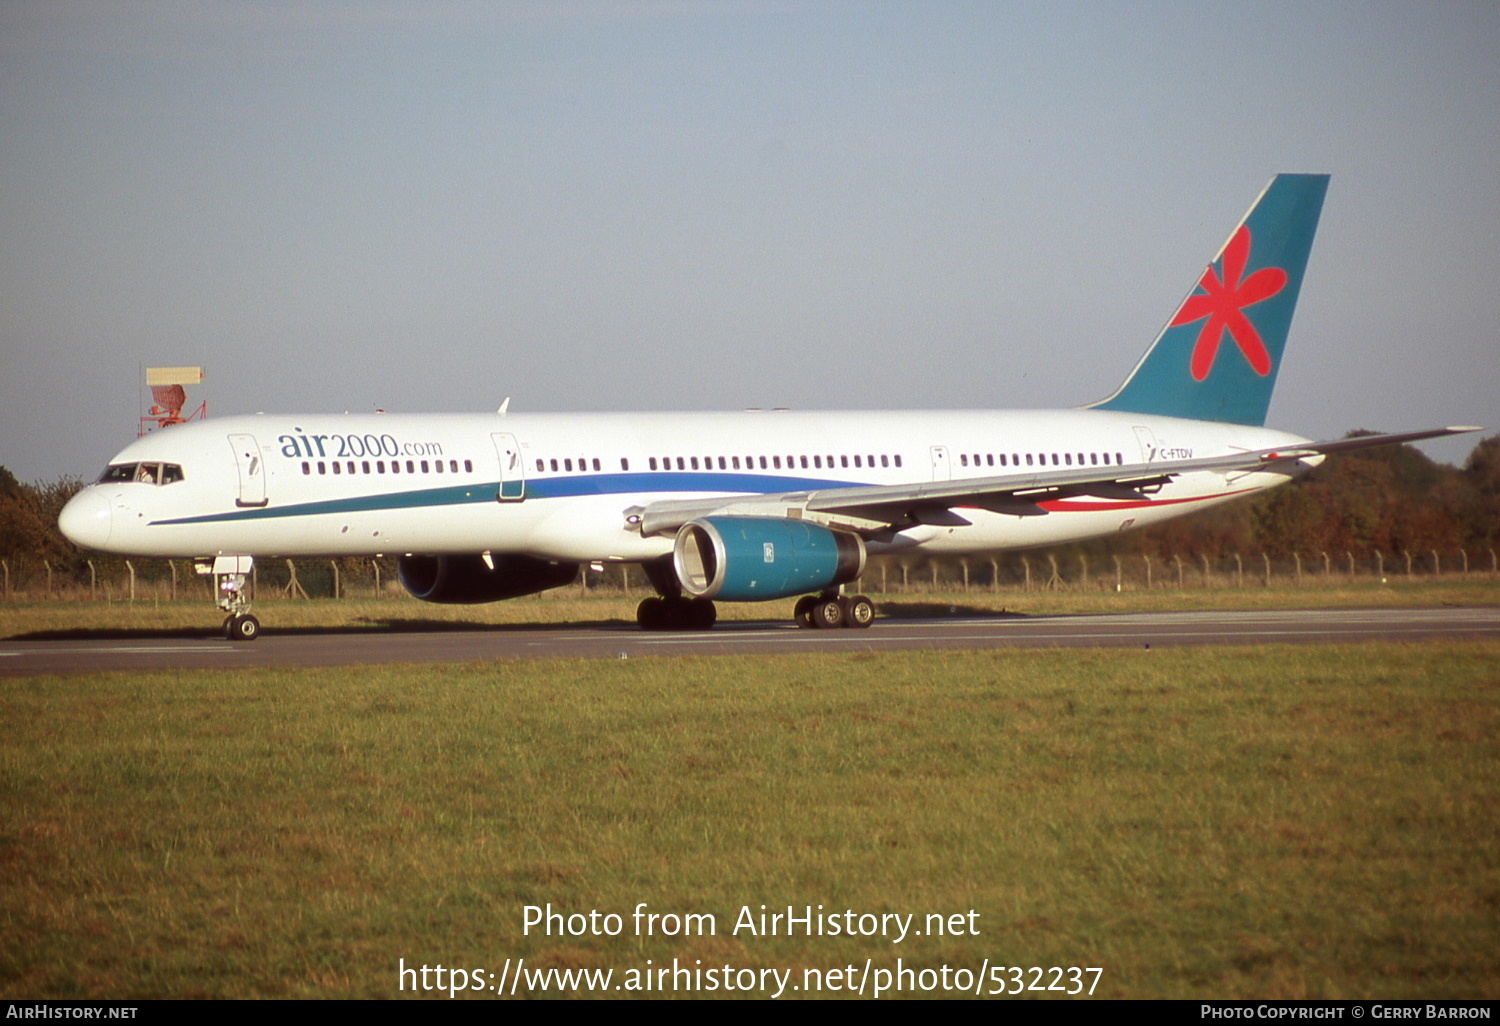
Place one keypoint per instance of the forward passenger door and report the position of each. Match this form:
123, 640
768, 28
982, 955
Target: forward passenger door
252, 468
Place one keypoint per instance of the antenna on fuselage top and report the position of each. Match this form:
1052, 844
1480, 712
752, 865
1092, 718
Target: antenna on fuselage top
504, 406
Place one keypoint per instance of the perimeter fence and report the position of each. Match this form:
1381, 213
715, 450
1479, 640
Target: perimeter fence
118, 580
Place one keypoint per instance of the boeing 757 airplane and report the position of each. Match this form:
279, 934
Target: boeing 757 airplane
738, 507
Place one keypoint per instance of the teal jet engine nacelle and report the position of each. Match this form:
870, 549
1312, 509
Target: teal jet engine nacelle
468, 580
745, 559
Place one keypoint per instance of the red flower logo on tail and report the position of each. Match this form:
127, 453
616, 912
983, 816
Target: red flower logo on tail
1224, 305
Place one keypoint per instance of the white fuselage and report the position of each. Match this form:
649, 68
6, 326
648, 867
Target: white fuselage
559, 486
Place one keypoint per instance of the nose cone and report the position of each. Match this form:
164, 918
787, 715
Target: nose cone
86, 519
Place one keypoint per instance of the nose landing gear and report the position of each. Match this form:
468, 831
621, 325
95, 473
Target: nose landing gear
229, 574
241, 627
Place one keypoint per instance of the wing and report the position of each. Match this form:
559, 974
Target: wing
882, 507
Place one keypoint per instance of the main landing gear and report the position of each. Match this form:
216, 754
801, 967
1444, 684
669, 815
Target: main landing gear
676, 614
690, 614
829, 611
671, 610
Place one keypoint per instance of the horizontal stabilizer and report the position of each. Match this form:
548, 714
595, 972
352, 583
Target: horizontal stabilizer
1369, 441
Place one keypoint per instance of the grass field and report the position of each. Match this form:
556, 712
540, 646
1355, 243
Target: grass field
1270, 822
567, 605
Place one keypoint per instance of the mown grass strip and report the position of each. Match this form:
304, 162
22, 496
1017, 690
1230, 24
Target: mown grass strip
399, 612
1309, 821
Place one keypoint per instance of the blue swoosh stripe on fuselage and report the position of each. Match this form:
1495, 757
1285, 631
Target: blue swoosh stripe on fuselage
674, 481
540, 488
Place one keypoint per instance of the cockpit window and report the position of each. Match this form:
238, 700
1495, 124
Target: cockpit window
142, 473
118, 472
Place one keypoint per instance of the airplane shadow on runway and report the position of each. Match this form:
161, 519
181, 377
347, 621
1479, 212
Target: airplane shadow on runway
271, 629
888, 610
944, 610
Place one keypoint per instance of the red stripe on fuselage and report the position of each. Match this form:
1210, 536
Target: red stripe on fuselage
1076, 506
1096, 506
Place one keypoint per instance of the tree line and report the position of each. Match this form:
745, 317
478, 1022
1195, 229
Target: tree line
1369, 504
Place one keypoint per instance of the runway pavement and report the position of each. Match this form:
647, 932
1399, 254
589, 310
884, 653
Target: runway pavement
369, 646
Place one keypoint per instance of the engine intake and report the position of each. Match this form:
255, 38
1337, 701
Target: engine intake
466, 580
744, 559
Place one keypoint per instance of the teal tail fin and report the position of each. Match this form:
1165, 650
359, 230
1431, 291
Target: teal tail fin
1218, 356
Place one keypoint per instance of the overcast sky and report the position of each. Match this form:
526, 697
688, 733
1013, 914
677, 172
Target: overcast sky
716, 205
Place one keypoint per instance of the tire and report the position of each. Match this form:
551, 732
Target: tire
861, 612
802, 611
243, 628
702, 614
676, 615
651, 614
828, 613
